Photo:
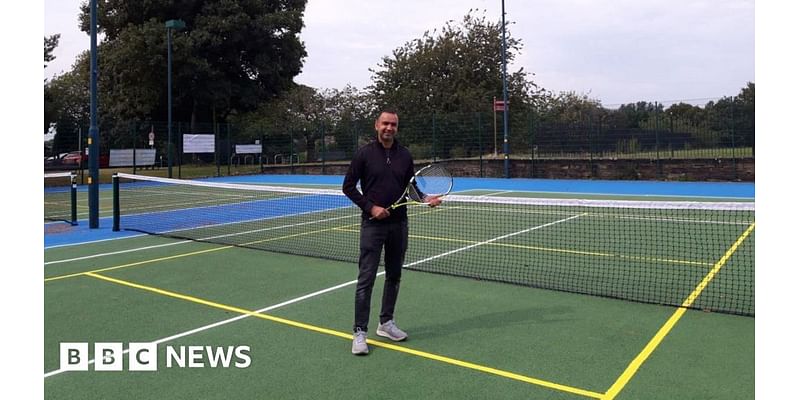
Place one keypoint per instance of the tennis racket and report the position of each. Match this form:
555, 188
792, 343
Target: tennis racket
431, 181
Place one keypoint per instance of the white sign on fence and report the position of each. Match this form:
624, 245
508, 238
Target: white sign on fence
248, 149
198, 143
124, 157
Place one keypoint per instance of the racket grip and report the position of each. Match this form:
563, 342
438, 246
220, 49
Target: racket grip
387, 212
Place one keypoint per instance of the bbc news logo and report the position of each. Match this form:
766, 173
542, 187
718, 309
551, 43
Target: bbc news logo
108, 356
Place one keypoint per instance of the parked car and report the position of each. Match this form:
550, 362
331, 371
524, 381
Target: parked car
74, 158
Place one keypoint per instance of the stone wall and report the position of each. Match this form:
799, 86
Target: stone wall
666, 170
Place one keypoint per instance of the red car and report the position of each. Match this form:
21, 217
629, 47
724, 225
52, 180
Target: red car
74, 158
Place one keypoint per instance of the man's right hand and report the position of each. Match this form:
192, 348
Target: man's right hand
378, 212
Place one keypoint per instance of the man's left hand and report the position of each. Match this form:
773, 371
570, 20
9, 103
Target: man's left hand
433, 201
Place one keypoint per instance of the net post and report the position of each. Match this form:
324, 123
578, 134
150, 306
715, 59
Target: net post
115, 189
73, 199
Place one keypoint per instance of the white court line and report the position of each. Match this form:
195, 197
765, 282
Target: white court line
213, 237
323, 291
229, 320
495, 239
55, 246
626, 195
496, 193
114, 253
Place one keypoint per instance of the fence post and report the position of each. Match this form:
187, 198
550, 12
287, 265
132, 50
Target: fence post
291, 151
671, 136
480, 146
73, 199
180, 149
531, 129
228, 147
589, 143
322, 135
659, 167
115, 202
434, 137
733, 142
135, 137
261, 156
80, 146
217, 146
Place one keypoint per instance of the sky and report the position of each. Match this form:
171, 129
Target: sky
618, 52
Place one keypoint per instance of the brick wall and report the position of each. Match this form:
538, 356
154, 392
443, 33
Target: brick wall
668, 170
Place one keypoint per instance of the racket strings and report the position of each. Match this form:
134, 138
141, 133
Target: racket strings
432, 181
414, 194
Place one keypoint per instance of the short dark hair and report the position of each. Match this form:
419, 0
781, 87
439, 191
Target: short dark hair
387, 110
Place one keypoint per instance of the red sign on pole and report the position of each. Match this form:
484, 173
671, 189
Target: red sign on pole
499, 105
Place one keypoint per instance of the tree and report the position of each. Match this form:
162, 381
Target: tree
233, 55
50, 44
745, 124
733, 118
299, 115
456, 70
352, 115
567, 107
68, 109
440, 81
50, 108
692, 115
305, 114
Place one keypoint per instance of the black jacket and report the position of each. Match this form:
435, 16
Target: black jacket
384, 174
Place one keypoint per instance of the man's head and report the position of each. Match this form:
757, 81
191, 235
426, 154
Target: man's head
386, 127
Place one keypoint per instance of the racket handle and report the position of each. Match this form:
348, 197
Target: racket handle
387, 213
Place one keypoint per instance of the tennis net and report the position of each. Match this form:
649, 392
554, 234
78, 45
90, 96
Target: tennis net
687, 254
60, 197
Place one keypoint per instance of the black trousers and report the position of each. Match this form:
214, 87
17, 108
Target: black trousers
376, 236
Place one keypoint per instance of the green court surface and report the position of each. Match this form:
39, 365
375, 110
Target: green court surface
467, 338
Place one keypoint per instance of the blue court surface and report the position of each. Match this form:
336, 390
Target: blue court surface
59, 234
722, 190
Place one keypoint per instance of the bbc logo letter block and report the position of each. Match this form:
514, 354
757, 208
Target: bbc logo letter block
109, 357
75, 356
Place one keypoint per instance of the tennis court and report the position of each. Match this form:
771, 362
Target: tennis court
505, 295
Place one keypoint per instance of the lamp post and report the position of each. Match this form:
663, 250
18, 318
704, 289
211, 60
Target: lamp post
173, 24
505, 95
94, 134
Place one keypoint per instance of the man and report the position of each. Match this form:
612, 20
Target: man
384, 168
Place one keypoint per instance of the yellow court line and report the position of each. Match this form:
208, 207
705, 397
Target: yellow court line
555, 250
349, 336
342, 227
186, 254
55, 278
637, 362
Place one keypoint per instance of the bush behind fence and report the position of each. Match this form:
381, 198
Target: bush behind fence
470, 139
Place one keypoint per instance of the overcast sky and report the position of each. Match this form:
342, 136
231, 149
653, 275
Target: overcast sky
617, 51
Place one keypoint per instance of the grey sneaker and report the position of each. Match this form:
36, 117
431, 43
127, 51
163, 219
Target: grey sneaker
391, 331
360, 342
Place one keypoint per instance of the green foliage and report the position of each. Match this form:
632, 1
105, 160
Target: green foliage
458, 69
67, 105
50, 44
626, 146
50, 105
420, 151
567, 107
232, 56
235, 62
458, 151
306, 114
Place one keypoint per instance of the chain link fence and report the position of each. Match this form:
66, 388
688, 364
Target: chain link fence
473, 143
